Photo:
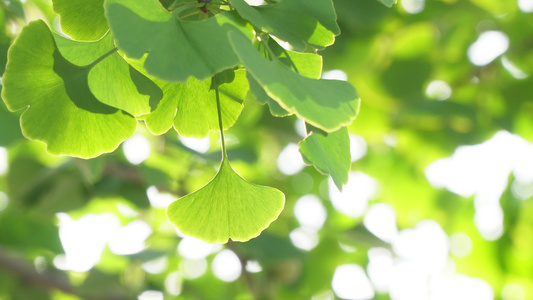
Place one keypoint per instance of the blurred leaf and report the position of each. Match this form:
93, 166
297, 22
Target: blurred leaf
24, 232
388, 3
9, 127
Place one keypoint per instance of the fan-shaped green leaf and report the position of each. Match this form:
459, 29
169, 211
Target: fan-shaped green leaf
306, 64
326, 104
329, 154
82, 19
192, 109
112, 80
227, 207
61, 110
115, 83
301, 23
177, 49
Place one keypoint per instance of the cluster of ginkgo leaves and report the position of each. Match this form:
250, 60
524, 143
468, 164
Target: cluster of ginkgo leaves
186, 64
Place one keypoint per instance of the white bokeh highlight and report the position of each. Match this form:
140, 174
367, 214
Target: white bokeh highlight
350, 282
310, 212
136, 149
380, 220
413, 6
483, 170
515, 71
358, 147
198, 145
193, 268
227, 266
353, 200
151, 295
304, 238
3, 160
488, 46
193, 248
526, 5
438, 90
129, 239
84, 240
174, 283
335, 74
460, 245
157, 199
290, 160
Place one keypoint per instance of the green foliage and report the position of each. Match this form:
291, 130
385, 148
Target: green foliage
81, 19
329, 154
227, 207
308, 98
269, 83
177, 49
57, 96
84, 98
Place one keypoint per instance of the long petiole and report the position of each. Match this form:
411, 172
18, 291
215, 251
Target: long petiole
219, 111
94, 63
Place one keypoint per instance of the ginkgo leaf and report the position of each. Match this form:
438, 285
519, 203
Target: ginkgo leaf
115, 83
192, 109
197, 110
176, 49
306, 64
301, 23
82, 19
228, 207
329, 154
112, 80
326, 104
61, 110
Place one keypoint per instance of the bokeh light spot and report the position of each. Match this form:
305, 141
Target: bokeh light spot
438, 90
351, 282
353, 200
136, 149
488, 46
227, 266
3, 161
198, 145
380, 219
193, 248
460, 245
310, 212
290, 160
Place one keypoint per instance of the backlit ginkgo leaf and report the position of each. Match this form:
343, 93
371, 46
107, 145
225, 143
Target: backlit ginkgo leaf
82, 19
326, 104
228, 207
176, 49
306, 64
329, 154
60, 111
301, 23
191, 107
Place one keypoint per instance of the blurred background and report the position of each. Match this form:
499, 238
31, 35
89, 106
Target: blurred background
439, 203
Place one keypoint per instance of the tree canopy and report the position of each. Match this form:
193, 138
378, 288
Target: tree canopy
415, 184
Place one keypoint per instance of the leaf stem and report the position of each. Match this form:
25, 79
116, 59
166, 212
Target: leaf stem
219, 111
97, 61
